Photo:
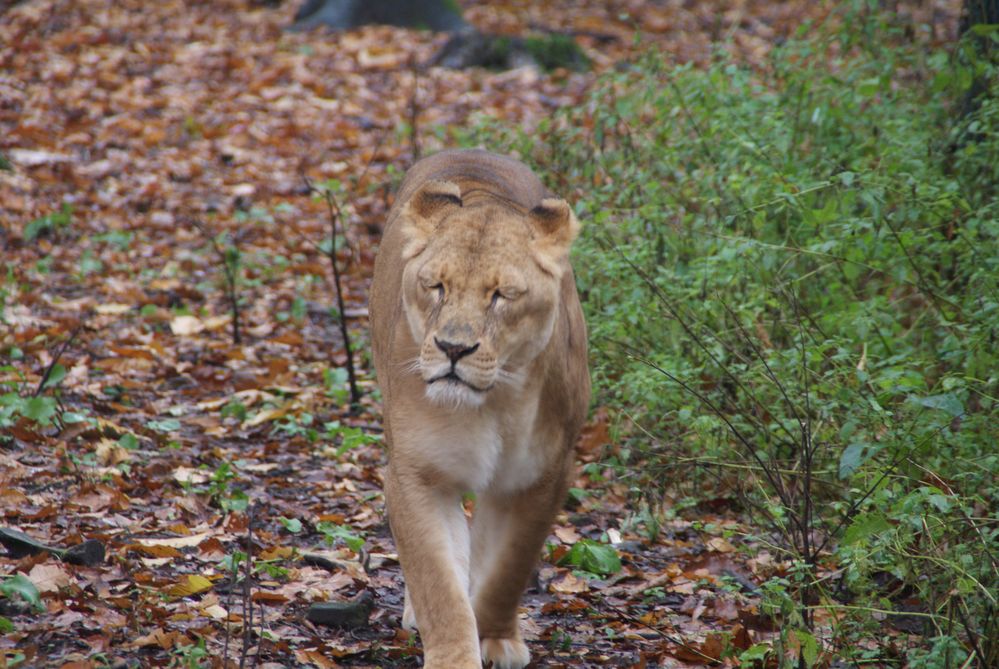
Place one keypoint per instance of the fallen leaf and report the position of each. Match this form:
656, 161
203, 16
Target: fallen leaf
176, 542
567, 535
569, 583
720, 545
191, 585
49, 577
184, 326
113, 309
316, 658
154, 550
190, 475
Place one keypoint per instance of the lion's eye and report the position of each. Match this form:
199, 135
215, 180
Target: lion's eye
439, 289
508, 294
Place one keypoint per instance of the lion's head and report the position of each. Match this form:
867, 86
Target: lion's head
481, 287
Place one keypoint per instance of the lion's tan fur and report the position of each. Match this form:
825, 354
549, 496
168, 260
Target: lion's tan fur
466, 225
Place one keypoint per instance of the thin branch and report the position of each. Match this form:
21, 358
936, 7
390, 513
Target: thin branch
55, 360
233, 578
669, 637
231, 276
750, 450
335, 214
414, 109
674, 312
247, 595
888, 471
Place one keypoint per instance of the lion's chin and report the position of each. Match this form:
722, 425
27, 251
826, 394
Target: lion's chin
453, 394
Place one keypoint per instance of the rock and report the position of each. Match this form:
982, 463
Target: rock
88, 554
351, 615
470, 48
441, 15
19, 544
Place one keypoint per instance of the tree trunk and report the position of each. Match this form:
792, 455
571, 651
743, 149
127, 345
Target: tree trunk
441, 15
978, 12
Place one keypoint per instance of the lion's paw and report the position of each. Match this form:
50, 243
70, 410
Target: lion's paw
505, 653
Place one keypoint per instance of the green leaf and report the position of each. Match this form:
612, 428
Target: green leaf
332, 532
757, 652
237, 502
864, 526
853, 456
984, 29
6, 626
941, 502
293, 525
56, 376
128, 441
165, 425
39, 409
948, 402
73, 417
809, 648
593, 557
24, 588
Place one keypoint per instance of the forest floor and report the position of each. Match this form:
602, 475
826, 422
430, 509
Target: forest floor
140, 132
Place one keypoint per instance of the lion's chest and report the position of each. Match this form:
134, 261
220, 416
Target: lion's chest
483, 450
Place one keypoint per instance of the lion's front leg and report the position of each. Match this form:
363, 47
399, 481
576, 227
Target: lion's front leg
431, 535
508, 533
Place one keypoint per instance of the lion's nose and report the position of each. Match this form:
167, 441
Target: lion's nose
455, 352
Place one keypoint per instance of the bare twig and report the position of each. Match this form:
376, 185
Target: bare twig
937, 300
414, 109
230, 267
228, 614
55, 360
247, 595
669, 637
335, 214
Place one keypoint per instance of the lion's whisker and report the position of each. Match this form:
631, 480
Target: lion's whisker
411, 365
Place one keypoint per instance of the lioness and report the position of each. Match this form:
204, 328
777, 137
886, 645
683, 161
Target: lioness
480, 351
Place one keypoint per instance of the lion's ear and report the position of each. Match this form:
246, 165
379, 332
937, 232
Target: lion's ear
424, 211
556, 227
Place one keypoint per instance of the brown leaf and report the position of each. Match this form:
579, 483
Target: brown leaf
719, 545
268, 597
568, 583
726, 609
156, 550
49, 577
192, 584
567, 535
316, 658
176, 542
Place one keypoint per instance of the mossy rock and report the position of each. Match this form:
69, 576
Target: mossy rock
556, 50
551, 51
